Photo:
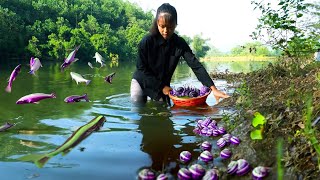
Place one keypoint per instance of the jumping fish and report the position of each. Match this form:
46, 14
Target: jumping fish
35, 64
6, 126
80, 134
110, 77
76, 98
12, 77
34, 98
70, 59
90, 65
78, 78
99, 59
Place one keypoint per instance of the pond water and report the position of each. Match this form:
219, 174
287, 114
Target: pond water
132, 138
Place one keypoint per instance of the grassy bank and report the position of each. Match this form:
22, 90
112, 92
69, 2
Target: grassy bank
281, 96
238, 58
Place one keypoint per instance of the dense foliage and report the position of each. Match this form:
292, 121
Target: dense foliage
290, 26
49, 28
253, 48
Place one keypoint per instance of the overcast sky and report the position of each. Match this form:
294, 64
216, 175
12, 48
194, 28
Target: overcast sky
227, 23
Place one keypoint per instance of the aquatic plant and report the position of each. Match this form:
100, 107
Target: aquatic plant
258, 122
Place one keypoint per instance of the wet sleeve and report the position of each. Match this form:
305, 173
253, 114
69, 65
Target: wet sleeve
196, 66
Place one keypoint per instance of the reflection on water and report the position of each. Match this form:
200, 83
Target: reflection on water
168, 131
132, 137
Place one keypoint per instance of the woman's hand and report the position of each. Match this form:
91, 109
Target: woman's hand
166, 90
218, 94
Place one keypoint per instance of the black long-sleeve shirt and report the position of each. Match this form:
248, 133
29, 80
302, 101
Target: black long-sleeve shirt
158, 60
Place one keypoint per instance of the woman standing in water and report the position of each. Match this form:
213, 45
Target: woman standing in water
158, 56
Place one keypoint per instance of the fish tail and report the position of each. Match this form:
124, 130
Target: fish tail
88, 82
32, 72
77, 48
39, 159
86, 97
42, 161
8, 88
53, 95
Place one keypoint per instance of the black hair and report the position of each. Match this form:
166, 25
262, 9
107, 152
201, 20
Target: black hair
170, 16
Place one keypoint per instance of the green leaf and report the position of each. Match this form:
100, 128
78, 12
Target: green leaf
256, 134
299, 15
258, 119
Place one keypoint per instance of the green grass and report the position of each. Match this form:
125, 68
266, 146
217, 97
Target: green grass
238, 58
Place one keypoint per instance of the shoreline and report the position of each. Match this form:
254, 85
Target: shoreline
238, 58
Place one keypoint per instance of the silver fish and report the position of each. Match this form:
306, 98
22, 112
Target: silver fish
99, 59
90, 65
35, 64
78, 78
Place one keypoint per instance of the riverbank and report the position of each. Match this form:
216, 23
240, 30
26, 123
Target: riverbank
281, 96
238, 58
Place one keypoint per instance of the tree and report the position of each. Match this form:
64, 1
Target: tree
11, 40
281, 28
52, 28
199, 46
214, 52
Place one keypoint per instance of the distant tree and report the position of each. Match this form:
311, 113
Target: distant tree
237, 51
53, 28
200, 46
251, 48
214, 52
11, 38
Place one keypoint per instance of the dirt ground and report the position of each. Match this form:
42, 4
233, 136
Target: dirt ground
280, 94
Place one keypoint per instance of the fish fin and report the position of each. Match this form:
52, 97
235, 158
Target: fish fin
8, 89
32, 61
37, 102
77, 82
88, 81
76, 59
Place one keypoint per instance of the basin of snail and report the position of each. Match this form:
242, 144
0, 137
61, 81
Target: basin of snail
189, 96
